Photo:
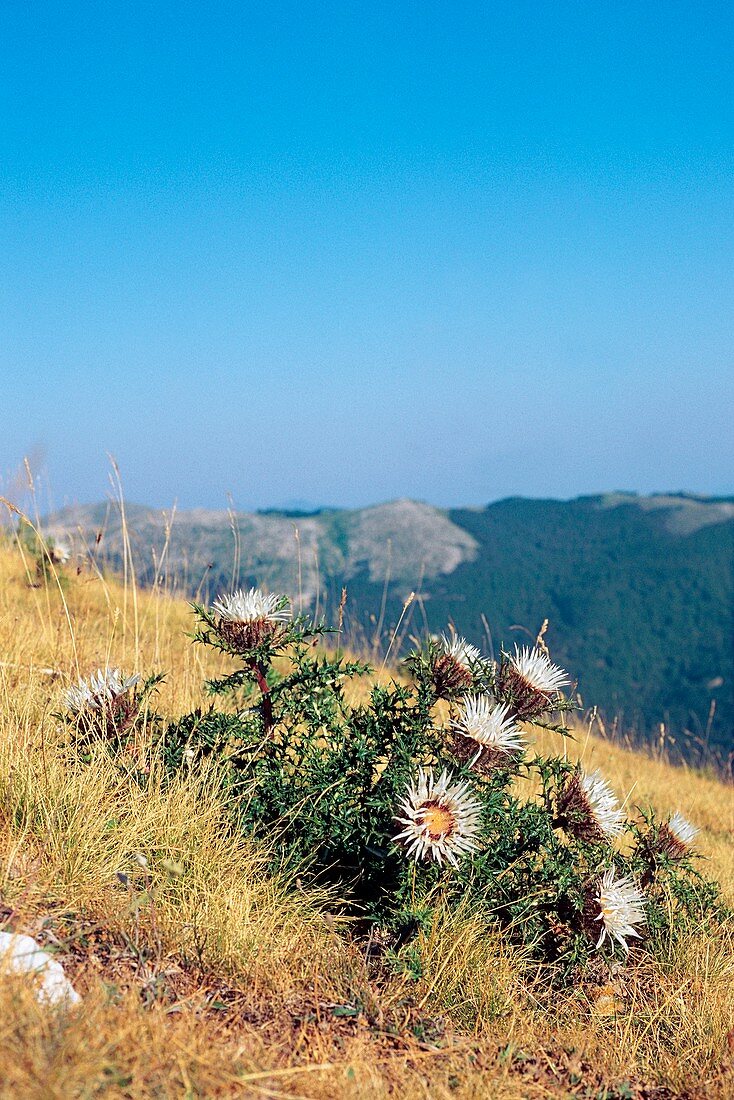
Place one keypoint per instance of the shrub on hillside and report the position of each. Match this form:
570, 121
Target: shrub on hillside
427, 793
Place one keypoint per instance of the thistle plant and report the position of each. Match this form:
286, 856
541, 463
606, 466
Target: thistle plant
107, 708
49, 555
253, 627
411, 798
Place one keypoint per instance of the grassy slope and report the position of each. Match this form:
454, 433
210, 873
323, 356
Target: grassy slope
222, 981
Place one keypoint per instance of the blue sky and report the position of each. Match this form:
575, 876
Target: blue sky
340, 253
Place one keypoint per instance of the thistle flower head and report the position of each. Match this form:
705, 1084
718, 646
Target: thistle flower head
603, 804
622, 908
536, 669
682, 829
676, 836
248, 607
60, 552
452, 666
530, 682
246, 619
440, 816
100, 691
588, 808
486, 731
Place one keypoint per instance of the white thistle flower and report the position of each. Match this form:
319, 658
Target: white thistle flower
490, 724
248, 619
603, 804
441, 818
588, 808
622, 906
102, 688
462, 651
454, 663
682, 829
538, 672
60, 552
675, 836
252, 606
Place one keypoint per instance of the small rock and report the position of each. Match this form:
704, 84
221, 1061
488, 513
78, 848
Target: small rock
22, 955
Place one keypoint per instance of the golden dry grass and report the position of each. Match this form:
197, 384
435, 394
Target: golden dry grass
203, 975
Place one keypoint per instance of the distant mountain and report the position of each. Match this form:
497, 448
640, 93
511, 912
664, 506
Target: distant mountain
639, 591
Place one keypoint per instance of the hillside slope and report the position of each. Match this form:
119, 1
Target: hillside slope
639, 591
202, 975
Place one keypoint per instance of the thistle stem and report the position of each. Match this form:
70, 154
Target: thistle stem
267, 703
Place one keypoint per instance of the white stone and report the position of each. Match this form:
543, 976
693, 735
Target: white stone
22, 955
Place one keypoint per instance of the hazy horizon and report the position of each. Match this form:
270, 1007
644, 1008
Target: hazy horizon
46, 504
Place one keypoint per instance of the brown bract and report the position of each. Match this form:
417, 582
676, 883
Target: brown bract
244, 636
485, 758
667, 843
591, 913
114, 717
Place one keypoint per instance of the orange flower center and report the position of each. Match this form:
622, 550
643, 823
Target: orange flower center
437, 819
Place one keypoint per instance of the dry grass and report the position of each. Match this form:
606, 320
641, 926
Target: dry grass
203, 975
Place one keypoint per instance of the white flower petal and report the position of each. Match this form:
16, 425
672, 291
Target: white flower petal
603, 804
538, 671
489, 724
462, 651
622, 906
682, 829
246, 607
442, 818
102, 687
